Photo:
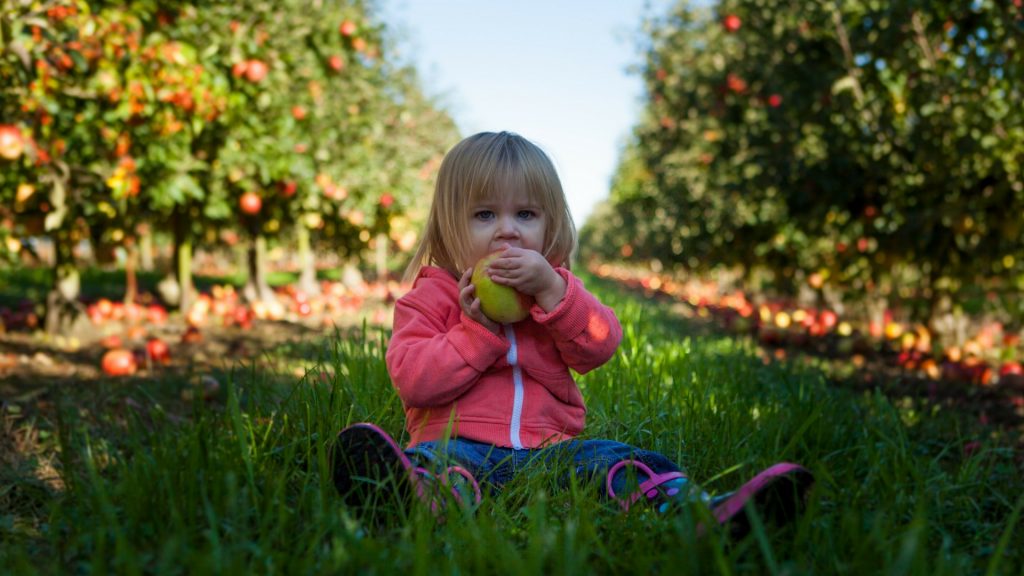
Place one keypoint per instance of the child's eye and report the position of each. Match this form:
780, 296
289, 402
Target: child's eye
483, 214
527, 214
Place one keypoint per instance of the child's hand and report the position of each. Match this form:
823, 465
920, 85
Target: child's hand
471, 304
530, 273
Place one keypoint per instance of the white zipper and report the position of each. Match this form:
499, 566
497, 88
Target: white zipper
517, 380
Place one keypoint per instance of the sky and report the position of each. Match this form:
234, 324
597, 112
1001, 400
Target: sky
554, 71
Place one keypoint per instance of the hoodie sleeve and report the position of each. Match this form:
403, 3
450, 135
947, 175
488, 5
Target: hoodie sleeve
585, 331
431, 363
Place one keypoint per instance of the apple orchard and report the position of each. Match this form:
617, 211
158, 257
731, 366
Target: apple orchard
184, 125
859, 159
848, 171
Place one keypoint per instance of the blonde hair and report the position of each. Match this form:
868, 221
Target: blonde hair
477, 169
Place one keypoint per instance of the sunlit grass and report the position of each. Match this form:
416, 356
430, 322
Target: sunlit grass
240, 484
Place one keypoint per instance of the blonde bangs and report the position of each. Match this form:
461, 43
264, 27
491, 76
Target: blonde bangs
481, 169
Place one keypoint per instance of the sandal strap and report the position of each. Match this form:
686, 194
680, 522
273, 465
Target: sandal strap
648, 488
424, 482
477, 496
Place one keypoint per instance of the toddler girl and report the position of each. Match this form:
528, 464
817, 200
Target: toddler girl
485, 400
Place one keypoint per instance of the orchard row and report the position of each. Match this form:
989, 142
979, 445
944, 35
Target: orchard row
144, 335
871, 151
289, 122
990, 355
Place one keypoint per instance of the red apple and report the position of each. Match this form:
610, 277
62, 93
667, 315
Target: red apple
156, 314
119, 362
347, 28
11, 142
94, 314
133, 313
298, 112
1009, 368
243, 317
238, 70
255, 71
829, 319
288, 189
775, 100
336, 63
732, 23
735, 83
250, 203
158, 351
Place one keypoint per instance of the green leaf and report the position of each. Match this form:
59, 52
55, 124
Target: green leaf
843, 84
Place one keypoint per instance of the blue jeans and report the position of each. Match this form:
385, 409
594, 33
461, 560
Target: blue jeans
588, 460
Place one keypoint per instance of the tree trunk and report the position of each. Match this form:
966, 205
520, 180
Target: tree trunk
131, 290
351, 277
62, 306
256, 286
146, 247
307, 262
183, 259
876, 306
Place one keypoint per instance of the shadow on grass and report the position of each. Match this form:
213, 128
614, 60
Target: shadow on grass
21, 284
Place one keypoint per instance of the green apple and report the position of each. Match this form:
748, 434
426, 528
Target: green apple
500, 303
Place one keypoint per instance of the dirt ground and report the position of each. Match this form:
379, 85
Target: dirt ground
42, 377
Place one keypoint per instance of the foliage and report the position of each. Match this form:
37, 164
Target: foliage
134, 113
861, 146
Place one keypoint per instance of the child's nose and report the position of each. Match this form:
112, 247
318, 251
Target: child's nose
507, 226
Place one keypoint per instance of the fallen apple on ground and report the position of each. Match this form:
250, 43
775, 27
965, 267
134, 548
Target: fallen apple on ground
500, 303
119, 362
158, 351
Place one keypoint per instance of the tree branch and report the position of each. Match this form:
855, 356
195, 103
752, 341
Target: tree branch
922, 41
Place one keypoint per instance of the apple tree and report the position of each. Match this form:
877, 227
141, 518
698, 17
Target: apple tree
866, 149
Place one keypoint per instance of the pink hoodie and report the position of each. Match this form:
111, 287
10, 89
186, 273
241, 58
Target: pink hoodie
513, 390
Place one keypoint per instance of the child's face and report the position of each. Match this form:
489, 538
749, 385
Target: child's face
509, 219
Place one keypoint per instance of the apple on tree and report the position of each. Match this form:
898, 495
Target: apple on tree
255, 71
732, 23
250, 203
11, 142
239, 68
288, 188
500, 303
25, 191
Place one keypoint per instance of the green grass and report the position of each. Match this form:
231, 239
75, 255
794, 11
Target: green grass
241, 485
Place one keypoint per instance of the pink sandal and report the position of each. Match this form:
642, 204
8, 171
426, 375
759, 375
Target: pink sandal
366, 459
777, 494
650, 488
